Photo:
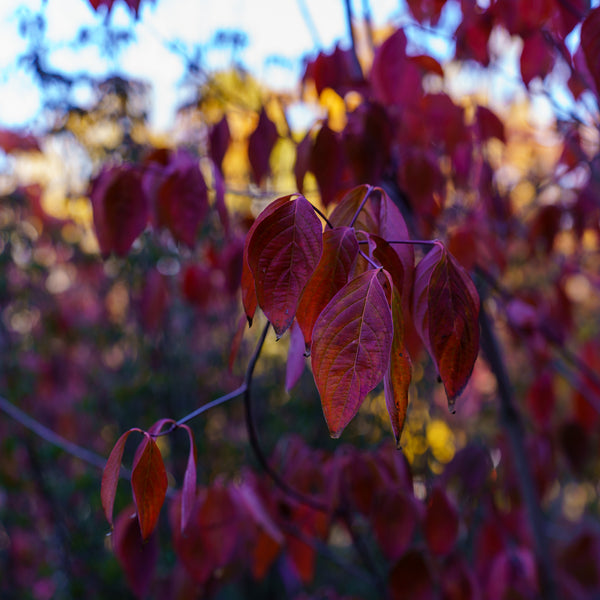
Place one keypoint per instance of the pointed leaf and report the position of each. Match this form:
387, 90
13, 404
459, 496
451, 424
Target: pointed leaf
218, 141
247, 283
340, 249
120, 209
182, 199
188, 491
326, 163
446, 311
260, 144
110, 476
352, 339
397, 378
283, 252
149, 484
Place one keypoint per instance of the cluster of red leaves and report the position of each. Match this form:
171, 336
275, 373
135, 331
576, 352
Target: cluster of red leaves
354, 307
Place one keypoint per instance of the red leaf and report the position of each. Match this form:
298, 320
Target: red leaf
120, 209
446, 311
296, 358
220, 205
426, 10
110, 476
302, 164
188, 491
396, 80
182, 199
394, 521
218, 140
336, 71
397, 379
154, 301
352, 339
472, 37
537, 58
196, 285
590, 43
326, 163
260, 144
247, 283
137, 557
283, 252
441, 523
489, 125
149, 484
340, 249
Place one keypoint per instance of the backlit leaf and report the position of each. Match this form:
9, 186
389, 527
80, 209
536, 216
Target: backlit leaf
446, 311
340, 249
149, 484
352, 339
296, 358
283, 252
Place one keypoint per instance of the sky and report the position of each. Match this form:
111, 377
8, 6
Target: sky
273, 28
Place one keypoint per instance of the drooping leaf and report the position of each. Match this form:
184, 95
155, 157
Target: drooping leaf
247, 283
446, 311
340, 249
136, 556
120, 209
489, 125
537, 58
260, 144
218, 141
110, 476
302, 164
149, 484
590, 43
283, 252
182, 199
351, 345
188, 490
326, 163
296, 359
397, 378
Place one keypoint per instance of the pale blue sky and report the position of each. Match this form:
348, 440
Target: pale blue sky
273, 27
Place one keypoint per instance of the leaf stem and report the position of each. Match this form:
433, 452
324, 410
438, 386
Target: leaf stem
362, 204
322, 215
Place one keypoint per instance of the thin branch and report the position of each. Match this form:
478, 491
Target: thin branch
50, 436
362, 204
356, 63
513, 425
322, 215
310, 24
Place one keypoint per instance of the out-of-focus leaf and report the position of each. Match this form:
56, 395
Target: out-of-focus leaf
260, 144
136, 556
441, 522
120, 208
590, 43
326, 163
340, 249
352, 339
283, 252
149, 484
218, 140
182, 199
411, 578
446, 313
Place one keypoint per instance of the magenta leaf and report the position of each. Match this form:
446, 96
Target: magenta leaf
260, 145
352, 339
